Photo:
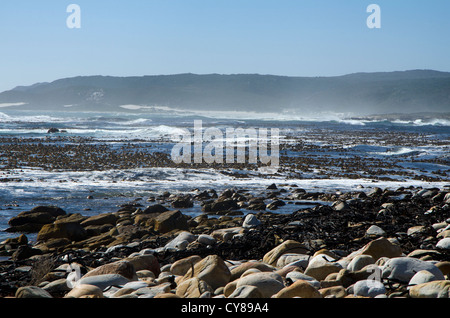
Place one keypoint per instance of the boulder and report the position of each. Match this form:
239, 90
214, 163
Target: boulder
246, 291
444, 244
82, 290
33, 220
25, 251
70, 230
192, 288
32, 292
359, 262
375, 230
220, 205
381, 247
184, 236
182, 201
289, 246
369, 288
435, 289
321, 265
333, 292
155, 208
100, 219
169, 221
267, 283
122, 267
206, 239
295, 276
299, 288
52, 210
181, 266
212, 270
227, 234
237, 271
31, 217
145, 262
104, 281
404, 268
251, 221
422, 277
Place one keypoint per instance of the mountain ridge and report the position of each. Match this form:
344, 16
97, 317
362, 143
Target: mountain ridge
360, 93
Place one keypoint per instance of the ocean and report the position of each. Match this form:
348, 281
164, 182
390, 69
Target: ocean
97, 162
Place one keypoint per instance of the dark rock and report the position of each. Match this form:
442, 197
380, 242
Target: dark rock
221, 204
31, 217
169, 221
72, 231
275, 204
155, 208
25, 252
100, 219
52, 130
52, 210
182, 202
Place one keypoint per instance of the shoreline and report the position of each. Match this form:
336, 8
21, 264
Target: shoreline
413, 221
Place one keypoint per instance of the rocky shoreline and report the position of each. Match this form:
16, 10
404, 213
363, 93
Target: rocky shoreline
383, 243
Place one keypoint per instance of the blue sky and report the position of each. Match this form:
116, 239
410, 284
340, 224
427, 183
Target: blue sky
281, 37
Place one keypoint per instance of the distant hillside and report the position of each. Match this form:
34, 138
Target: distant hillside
360, 93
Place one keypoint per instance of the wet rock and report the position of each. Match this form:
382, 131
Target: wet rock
275, 204
100, 219
181, 202
52, 130
155, 208
221, 204
70, 230
169, 221
33, 220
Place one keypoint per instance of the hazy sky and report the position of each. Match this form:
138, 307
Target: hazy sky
280, 37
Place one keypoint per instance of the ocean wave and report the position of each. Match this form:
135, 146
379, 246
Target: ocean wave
399, 151
424, 122
4, 118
